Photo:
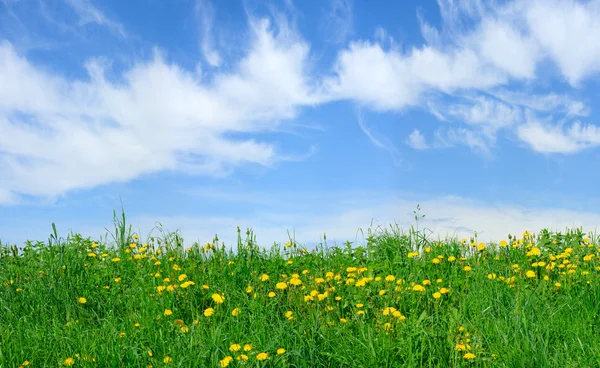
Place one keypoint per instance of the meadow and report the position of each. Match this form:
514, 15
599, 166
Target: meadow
401, 300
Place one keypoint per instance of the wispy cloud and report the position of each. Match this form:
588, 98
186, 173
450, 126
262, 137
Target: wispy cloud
382, 143
205, 14
88, 13
338, 21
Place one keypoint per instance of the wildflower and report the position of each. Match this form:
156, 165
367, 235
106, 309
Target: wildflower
182, 277
184, 329
444, 291
167, 359
281, 285
426, 282
467, 268
390, 278
503, 243
247, 347
118, 279
469, 356
209, 312
225, 361
280, 351
530, 274
289, 315
178, 322
262, 356
168, 312
69, 361
235, 311
437, 295
249, 289
122, 334
218, 298
451, 259
235, 347
82, 300
116, 259
92, 255
343, 320
436, 261
271, 294
418, 288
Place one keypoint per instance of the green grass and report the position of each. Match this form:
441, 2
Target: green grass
495, 311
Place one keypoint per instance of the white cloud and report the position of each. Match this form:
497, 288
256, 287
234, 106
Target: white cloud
416, 140
502, 45
391, 80
205, 15
79, 134
568, 31
547, 138
88, 13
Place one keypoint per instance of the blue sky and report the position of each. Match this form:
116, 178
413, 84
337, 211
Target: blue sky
307, 116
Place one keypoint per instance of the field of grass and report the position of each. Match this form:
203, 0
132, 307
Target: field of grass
402, 300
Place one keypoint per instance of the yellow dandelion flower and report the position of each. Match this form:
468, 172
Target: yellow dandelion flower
209, 312
235, 311
82, 300
437, 295
262, 356
69, 361
271, 294
218, 298
168, 312
182, 277
247, 347
116, 259
469, 356
467, 268
530, 274
167, 359
281, 285
242, 357
235, 347
225, 361
280, 351
418, 288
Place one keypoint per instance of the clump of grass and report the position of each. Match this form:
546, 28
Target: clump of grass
402, 300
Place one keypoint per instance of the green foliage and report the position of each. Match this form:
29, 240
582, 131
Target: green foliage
401, 300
